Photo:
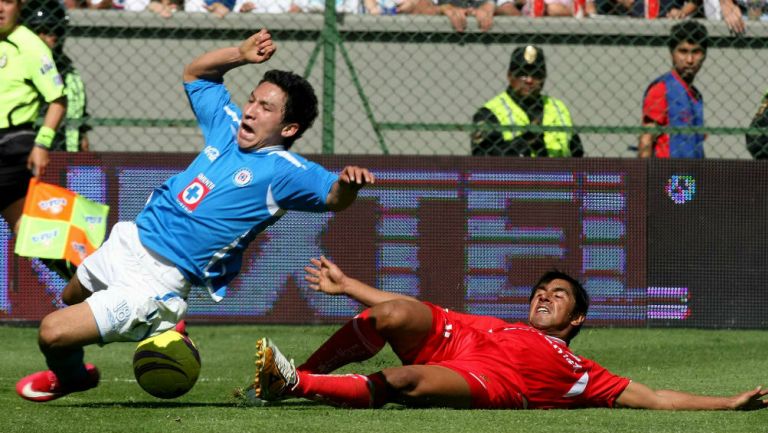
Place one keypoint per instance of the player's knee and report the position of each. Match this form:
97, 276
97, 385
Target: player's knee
50, 336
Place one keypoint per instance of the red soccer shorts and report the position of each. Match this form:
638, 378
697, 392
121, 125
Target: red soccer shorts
474, 355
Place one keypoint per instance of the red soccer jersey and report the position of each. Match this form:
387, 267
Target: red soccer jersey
513, 365
551, 376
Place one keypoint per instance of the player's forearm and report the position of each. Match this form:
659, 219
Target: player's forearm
367, 295
645, 146
55, 113
676, 400
341, 196
639, 396
214, 64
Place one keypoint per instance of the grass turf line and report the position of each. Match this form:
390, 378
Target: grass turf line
701, 361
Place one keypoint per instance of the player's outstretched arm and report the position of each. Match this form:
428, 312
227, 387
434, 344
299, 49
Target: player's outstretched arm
639, 396
324, 276
344, 191
214, 64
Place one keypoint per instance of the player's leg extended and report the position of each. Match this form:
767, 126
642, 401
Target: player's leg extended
61, 338
67, 329
413, 385
401, 323
427, 386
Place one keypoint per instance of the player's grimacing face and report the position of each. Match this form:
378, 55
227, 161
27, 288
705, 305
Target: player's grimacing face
552, 306
262, 122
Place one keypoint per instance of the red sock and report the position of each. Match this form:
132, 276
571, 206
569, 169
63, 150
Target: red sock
344, 390
356, 341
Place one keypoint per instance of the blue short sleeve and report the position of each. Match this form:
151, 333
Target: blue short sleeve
303, 187
212, 105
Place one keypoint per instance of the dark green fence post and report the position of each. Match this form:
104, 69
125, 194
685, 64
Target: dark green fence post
330, 37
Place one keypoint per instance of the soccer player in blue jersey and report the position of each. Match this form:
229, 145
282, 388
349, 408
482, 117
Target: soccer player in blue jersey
195, 226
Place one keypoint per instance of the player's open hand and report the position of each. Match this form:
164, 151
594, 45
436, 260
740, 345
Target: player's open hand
324, 276
751, 400
258, 48
356, 177
38, 161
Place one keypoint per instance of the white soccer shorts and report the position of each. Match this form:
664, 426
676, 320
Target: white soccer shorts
136, 293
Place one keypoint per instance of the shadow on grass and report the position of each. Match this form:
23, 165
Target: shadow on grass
291, 404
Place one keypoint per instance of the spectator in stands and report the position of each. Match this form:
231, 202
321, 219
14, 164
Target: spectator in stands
396, 7
730, 11
672, 100
102, 4
318, 6
510, 8
757, 144
219, 8
457, 12
49, 20
164, 8
552, 8
522, 104
266, 7
672, 9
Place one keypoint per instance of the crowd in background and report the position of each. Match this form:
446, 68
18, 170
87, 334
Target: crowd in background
733, 12
522, 103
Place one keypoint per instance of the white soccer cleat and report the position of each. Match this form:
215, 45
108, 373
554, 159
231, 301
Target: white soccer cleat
275, 374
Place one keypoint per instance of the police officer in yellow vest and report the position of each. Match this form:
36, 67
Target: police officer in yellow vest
523, 104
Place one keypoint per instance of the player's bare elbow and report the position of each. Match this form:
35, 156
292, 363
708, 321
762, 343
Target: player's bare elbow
187, 75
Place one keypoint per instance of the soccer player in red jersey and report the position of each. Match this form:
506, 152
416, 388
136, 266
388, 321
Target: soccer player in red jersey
460, 360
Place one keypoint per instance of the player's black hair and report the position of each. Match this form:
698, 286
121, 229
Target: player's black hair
300, 101
579, 293
689, 31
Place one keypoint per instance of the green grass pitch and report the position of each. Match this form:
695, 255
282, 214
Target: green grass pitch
701, 361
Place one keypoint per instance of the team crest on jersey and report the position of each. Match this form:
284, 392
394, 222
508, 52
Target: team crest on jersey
193, 194
211, 152
242, 177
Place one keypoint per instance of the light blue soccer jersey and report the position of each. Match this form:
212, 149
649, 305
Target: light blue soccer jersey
204, 217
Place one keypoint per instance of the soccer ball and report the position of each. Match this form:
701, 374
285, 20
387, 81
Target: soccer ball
166, 365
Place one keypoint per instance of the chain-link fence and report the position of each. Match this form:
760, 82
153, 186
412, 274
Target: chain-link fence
408, 84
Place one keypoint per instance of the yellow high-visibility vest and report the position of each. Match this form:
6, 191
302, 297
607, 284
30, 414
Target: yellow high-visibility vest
555, 114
